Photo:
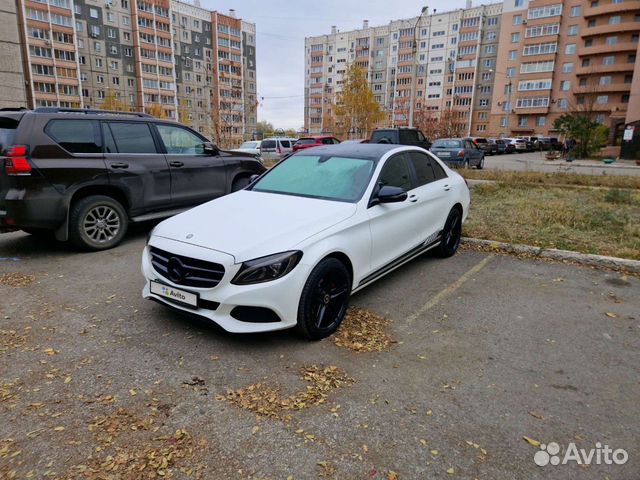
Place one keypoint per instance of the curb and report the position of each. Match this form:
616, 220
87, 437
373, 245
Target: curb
601, 261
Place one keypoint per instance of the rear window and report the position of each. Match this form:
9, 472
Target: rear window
408, 136
480, 140
8, 128
132, 137
268, 144
285, 143
306, 141
447, 144
76, 136
382, 135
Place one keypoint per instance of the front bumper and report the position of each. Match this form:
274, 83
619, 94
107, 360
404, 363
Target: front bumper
280, 296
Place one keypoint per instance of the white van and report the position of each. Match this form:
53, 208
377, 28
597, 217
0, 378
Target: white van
274, 148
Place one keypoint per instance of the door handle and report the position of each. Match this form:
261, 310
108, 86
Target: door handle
413, 198
177, 164
447, 188
119, 165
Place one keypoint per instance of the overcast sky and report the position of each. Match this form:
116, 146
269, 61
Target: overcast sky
282, 26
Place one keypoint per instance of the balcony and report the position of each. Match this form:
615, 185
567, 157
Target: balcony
609, 8
615, 68
610, 29
602, 49
611, 88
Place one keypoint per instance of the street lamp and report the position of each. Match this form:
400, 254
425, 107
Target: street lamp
414, 73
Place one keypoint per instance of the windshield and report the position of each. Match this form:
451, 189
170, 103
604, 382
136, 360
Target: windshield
249, 145
447, 144
332, 178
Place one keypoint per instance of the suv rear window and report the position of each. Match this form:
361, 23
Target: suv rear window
268, 144
480, 140
381, 135
408, 136
8, 128
76, 136
132, 137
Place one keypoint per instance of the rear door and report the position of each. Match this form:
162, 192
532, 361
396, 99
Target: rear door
196, 176
136, 163
268, 149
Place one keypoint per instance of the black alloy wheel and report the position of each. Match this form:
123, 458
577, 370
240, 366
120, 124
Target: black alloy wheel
451, 234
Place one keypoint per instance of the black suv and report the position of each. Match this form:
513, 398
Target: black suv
85, 174
400, 136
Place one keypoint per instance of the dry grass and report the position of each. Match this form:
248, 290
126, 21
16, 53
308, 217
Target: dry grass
613, 181
604, 222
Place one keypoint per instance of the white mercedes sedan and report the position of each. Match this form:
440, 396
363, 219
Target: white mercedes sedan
291, 248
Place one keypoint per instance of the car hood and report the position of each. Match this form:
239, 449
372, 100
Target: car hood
249, 224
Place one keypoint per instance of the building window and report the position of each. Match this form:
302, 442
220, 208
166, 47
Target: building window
570, 49
608, 60
565, 85
612, 40
576, 11
503, 122
614, 20
602, 99
624, 98
517, 19
523, 121
605, 80
519, 3
93, 12
541, 121
515, 37
563, 103
573, 30
481, 128
511, 72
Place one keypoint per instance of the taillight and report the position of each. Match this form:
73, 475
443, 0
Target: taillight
279, 150
461, 153
16, 161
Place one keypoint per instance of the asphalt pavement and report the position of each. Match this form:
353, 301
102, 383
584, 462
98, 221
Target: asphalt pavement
487, 349
536, 162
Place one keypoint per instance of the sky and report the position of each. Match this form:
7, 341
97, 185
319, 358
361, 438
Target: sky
282, 26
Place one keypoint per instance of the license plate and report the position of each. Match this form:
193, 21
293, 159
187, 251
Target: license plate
444, 154
174, 294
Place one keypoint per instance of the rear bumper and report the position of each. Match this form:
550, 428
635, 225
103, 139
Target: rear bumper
25, 209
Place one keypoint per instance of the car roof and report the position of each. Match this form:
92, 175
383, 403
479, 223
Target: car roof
375, 150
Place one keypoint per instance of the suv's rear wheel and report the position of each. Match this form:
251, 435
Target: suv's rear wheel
97, 222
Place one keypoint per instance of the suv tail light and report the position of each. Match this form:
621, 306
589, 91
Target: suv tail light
279, 150
16, 161
461, 153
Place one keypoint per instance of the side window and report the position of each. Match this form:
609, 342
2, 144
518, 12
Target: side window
407, 137
395, 173
422, 166
438, 171
469, 144
109, 142
327, 141
421, 137
180, 141
284, 143
132, 137
336, 141
76, 136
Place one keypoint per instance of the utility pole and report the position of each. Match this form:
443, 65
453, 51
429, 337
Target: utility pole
414, 71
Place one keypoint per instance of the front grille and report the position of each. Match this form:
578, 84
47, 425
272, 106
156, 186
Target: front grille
190, 272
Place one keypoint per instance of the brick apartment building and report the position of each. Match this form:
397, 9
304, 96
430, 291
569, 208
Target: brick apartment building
502, 69
164, 57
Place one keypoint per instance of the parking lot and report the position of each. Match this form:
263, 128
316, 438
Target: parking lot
485, 350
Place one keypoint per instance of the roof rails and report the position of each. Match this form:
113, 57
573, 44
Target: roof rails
89, 111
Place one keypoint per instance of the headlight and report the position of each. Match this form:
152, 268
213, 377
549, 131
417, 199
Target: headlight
265, 269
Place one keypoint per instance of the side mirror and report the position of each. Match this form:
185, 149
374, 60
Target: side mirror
389, 194
210, 148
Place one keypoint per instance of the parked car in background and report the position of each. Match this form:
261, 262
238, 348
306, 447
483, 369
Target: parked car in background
487, 147
274, 148
555, 144
356, 140
331, 221
458, 152
251, 146
308, 142
509, 147
531, 143
499, 143
83, 175
519, 144
400, 136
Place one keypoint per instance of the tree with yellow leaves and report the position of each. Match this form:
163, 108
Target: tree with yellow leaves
356, 110
156, 110
112, 102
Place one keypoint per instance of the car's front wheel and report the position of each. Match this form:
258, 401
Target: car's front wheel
451, 234
97, 222
324, 300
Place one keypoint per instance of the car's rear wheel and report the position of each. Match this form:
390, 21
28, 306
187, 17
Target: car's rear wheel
324, 300
240, 183
451, 234
480, 165
97, 222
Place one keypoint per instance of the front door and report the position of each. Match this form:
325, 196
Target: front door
394, 226
196, 176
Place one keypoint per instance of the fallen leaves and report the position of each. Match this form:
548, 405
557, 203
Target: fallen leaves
531, 441
536, 415
363, 331
18, 280
611, 315
265, 400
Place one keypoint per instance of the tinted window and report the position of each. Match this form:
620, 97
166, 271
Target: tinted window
438, 171
7, 133
408, 136
379, 135
180, 141
327, 141
333, 178
306, 141
396, 173
109, 142
268, 144
132, 137
480, 140
285, 143
336, 141
76, 136
422, 166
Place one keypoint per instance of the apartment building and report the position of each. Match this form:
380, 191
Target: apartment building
168, 58
416, 67
249, 78
11, 76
